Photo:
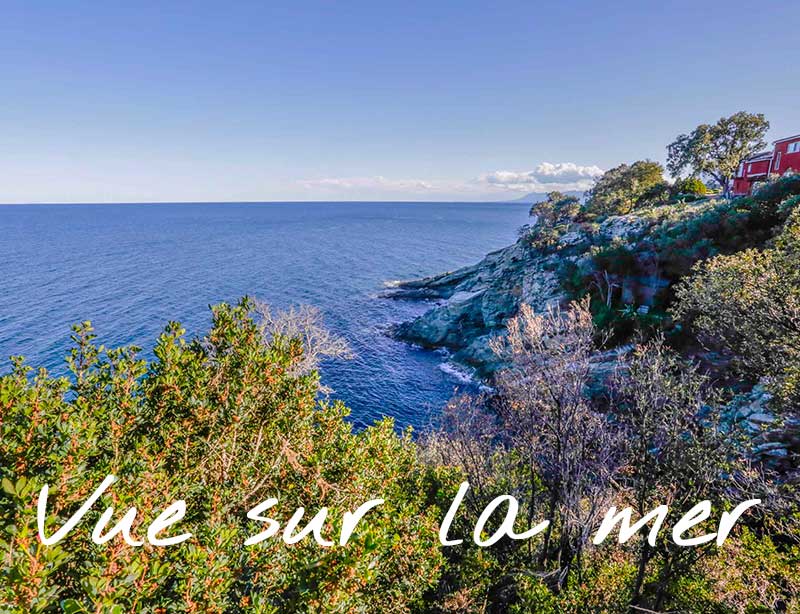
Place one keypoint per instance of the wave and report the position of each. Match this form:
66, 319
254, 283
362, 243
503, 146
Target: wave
462, 374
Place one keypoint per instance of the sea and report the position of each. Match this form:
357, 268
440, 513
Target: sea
131, 268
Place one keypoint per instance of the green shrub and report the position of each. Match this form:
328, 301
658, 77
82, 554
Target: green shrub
223, 422
626, 188
557, 205
670, 249
749, 303
553, 217
752, 574
776, 191
617, 258
725, 227
691, 186
654, 196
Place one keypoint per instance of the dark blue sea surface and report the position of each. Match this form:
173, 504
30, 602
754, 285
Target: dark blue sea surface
131, 268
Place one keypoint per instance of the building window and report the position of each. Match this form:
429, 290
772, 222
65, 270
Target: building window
777, 162
793, 147
749, 168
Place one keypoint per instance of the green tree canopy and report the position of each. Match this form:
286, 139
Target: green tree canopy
691, 185
718, 149
552, 216
620, 190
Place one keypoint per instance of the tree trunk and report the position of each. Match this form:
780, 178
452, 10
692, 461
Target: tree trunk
724, 183
644, 556
549, 531
666, 573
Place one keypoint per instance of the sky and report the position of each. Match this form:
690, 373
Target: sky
254, 101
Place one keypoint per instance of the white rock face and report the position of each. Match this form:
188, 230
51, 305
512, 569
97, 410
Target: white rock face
478, 301
572, 238
463, 295
623, 227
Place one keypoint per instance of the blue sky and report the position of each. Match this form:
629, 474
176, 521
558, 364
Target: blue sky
103, 102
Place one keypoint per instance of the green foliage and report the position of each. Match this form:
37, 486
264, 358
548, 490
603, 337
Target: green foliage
688, 190
571, 279
718, 149
676, 241
223, 422
235, 417
723, 227
659, 442
618, 258
626, 188
558, 205
749, 303
690, 185
777, 191
553, 217
655, 196
611, 266
751, 574
603, 589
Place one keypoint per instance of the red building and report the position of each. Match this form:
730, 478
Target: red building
785, 156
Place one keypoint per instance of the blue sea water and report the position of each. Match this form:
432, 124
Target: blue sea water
131, 268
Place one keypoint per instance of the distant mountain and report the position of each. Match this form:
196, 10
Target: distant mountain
534, 197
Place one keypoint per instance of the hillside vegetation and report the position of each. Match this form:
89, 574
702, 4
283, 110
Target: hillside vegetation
235, 417
222, 422
643, 349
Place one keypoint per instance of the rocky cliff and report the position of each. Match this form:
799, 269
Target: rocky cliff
629, 266
473, 303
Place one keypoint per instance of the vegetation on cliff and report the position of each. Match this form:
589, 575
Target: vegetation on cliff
672, 422
626, 188
655, 436
222, 422
625, 247
748, 304
234, 418
649, 354
644, 349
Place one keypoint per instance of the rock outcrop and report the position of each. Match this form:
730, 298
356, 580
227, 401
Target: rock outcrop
474, 303
771, 439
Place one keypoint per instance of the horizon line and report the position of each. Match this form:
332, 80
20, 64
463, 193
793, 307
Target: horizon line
258, 202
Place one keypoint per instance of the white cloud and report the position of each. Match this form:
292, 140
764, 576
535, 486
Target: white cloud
546, 177
369, 183
564, 176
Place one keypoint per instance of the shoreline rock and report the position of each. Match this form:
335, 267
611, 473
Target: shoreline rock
475, 302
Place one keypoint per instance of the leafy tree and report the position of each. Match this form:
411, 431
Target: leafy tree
224, 422
675, 453
556, 207
621, 189
655, 195
552, 218
690, 185
718, 149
